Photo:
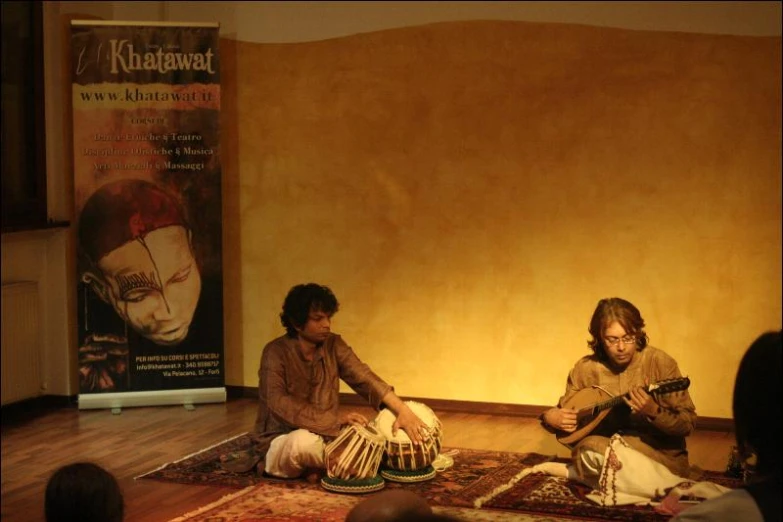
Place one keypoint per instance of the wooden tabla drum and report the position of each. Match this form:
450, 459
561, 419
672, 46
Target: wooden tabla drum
401, 454
355, 454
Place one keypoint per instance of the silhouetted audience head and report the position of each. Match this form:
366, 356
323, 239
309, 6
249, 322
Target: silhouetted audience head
391, 506
83, 492
757, 420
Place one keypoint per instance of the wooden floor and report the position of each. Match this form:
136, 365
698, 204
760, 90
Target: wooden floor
141, 439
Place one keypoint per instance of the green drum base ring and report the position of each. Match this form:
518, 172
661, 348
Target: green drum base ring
418, 475
356, 486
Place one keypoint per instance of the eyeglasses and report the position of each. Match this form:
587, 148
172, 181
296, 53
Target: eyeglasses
614, 341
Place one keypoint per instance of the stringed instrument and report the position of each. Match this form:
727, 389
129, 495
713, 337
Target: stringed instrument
593, 404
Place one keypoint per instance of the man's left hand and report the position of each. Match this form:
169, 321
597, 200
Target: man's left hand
641, 402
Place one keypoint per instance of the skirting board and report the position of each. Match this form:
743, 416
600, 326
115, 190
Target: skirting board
151, 398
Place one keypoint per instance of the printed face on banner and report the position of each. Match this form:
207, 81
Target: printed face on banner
154, 284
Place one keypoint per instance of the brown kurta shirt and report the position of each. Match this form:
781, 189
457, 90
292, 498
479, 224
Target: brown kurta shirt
296, 393
666, 433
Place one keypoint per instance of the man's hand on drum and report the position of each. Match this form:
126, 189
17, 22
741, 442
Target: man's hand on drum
561, 419
417, 431
357, 419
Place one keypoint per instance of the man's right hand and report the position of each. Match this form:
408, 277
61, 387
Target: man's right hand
561, 419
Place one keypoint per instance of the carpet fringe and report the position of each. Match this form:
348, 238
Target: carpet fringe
188, 456
503, 487
218, 502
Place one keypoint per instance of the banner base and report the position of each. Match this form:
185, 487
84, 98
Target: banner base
187, 398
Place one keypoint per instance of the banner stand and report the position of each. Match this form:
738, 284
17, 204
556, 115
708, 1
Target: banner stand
148, 206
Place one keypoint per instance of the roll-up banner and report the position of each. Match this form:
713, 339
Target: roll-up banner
147, 183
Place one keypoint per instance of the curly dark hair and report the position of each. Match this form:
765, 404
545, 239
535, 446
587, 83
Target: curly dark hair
301, 300
610, 310
756, 430
83, 491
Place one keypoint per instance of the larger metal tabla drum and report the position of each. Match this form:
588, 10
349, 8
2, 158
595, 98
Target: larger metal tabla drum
403, 461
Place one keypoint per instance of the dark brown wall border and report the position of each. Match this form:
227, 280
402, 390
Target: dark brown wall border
482, 408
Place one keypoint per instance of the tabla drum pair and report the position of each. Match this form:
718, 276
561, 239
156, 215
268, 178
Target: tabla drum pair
404, 461
353, 459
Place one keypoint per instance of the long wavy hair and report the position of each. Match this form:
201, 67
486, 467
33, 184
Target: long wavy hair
615, 309
301, 300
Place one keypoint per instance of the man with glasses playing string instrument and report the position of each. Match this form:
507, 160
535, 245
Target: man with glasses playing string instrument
623, 369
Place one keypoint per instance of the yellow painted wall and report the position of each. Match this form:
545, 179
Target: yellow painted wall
470, 190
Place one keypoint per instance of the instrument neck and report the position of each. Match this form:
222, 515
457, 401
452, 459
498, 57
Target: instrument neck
609, 403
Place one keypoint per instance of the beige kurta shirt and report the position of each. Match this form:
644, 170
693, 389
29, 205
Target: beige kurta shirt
296, 393
677, 414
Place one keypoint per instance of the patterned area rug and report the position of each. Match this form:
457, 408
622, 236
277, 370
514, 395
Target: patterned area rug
469, 483
269, 504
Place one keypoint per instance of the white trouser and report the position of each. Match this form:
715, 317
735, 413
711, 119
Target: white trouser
290, 454
591, 462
